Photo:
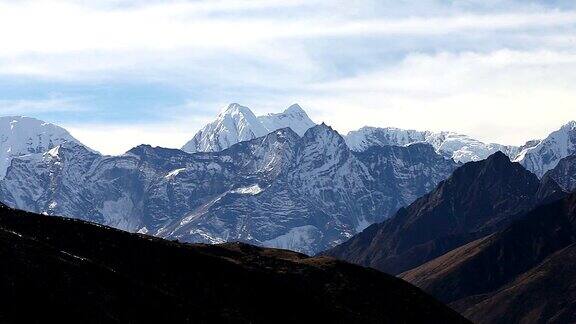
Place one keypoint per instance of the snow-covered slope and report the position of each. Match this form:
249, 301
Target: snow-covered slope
365, 137
237, 123
23, 135
304, 193
547, 153
460, 148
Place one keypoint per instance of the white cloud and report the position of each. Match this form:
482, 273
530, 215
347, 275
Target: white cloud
37, 106
52, 38
501, 75
503, 96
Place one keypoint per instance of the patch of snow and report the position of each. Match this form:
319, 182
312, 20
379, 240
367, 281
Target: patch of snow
172, 174
251, 190
74, 256
15, 233
54, 151
207, 237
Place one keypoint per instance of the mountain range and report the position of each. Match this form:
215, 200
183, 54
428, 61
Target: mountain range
281, 190
460, 148
537, 156
303, 187
238, 123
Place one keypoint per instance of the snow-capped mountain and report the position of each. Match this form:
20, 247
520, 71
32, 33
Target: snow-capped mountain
23, 135
281, 190
546, 154
461, 148
301, 186
238, 123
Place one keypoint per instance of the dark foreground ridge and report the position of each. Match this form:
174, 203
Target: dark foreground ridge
58, 269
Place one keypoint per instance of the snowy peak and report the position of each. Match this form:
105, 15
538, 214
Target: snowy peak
547, 153
234, 124
236, 111
293, 117
24, 135
296, 110
237, 123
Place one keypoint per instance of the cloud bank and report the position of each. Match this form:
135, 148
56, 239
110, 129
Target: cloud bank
500, 70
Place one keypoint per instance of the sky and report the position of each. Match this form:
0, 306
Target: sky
118, 73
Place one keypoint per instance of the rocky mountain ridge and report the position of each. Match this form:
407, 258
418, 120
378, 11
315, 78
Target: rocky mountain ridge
281, 190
